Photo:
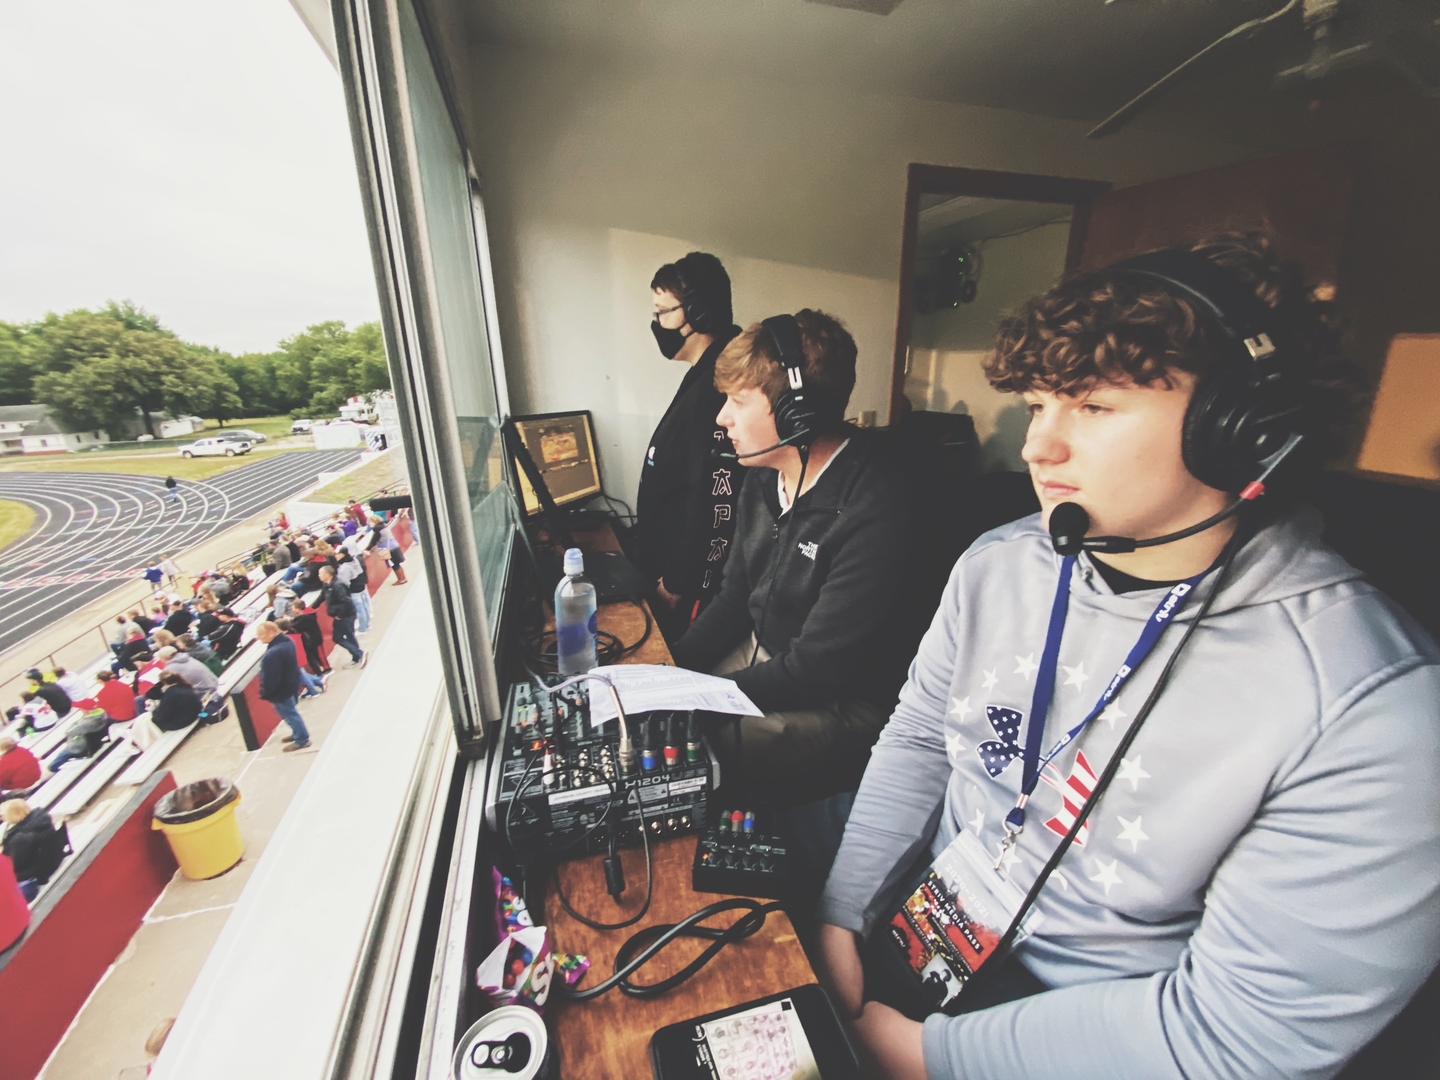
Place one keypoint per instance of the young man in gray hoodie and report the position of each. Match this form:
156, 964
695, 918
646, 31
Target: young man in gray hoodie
1257, 892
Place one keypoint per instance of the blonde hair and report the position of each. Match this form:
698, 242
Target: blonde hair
751, 361
14, 811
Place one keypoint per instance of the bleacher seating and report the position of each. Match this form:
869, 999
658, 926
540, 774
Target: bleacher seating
109, 762
154, 756
85, 774
44, 743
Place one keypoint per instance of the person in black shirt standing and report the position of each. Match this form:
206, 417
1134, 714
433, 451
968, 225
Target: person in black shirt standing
685, 510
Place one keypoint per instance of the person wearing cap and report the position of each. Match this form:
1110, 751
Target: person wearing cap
49, 692
685, 508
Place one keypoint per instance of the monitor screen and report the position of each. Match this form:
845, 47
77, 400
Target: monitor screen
563, 448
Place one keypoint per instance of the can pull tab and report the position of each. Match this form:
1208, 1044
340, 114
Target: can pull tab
510, 1055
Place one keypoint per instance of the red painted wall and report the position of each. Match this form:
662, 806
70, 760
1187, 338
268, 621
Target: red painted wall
263, 717
77, 933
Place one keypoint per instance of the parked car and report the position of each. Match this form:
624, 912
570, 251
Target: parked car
240, 435
214, 446
301, 427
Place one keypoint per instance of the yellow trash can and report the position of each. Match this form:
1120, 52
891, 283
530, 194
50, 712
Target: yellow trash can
199, 821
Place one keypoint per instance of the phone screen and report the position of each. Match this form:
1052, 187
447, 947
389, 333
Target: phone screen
764, 1043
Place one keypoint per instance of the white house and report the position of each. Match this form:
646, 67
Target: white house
32, 429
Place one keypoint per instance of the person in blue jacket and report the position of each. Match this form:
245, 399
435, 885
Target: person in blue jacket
280, 682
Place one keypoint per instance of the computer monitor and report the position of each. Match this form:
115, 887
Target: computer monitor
562, 445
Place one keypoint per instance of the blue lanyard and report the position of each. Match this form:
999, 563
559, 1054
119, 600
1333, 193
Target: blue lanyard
1034, 764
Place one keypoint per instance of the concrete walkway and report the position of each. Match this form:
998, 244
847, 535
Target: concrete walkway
149, 982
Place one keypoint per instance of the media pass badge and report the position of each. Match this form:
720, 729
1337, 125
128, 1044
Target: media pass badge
954, 921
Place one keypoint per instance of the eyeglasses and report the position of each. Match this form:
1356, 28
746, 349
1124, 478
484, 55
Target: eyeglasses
668, 310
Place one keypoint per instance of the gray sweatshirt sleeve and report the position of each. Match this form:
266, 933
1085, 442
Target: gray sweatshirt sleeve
902, 796
1319, 924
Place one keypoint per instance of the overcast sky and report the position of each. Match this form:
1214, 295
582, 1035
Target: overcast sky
191, 156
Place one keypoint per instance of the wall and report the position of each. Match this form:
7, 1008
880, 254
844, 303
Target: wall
79, 925
946, 346
594, 174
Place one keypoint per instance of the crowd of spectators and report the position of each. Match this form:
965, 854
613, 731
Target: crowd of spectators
168, 654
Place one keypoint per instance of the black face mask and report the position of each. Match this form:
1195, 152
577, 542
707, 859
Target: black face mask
670, 341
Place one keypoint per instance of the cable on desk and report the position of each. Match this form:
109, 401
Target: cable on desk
642, 947
526, 780
649, 879
540, 650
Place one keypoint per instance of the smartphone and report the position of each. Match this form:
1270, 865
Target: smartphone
794, 1035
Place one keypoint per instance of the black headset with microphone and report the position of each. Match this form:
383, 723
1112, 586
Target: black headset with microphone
697, 311
1245, 418
797, 422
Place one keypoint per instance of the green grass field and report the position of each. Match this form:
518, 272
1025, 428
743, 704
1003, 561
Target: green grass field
368, 478
15, 521
159, 458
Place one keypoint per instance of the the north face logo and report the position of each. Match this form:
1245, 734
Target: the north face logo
809, 550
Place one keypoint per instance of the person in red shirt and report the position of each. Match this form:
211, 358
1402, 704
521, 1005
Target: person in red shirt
115, 697
18, 767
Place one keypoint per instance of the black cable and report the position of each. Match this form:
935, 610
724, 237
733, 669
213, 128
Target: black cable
642, 947
539, 646
649, 879
526, 780
628, 516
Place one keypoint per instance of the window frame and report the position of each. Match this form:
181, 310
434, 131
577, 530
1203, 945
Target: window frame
372, 65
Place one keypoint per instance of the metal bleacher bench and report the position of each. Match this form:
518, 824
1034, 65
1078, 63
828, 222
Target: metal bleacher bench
154, 756
104, 766
44, 743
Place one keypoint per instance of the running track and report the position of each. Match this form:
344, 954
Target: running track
96, 531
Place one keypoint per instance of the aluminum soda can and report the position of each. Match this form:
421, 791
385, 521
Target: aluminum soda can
508, 1043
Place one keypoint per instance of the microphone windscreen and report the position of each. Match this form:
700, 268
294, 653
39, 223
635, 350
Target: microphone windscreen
721, 455
1068, 525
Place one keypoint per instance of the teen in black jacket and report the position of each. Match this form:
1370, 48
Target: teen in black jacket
838, 621
685, 509
824, 584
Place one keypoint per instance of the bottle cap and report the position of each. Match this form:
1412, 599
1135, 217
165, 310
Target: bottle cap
574, 562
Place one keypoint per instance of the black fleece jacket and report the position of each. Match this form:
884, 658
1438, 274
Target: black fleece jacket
685, 509
842, 620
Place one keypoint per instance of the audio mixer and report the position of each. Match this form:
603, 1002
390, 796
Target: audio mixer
558, 785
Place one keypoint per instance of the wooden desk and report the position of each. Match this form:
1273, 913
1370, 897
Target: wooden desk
609, 1038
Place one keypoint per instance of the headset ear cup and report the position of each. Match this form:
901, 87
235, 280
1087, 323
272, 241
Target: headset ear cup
1232, 425
697, 314
795, 421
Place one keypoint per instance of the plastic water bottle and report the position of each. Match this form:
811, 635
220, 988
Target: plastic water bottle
574, 617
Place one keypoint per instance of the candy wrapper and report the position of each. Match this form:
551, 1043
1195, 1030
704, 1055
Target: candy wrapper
511, 974
518, 970
512, 907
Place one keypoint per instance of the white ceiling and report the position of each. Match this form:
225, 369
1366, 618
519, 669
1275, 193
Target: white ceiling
1066, 58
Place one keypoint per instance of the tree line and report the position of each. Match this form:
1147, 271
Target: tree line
95, 369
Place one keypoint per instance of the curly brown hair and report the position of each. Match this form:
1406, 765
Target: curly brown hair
1106, 327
